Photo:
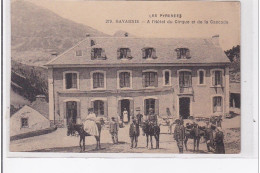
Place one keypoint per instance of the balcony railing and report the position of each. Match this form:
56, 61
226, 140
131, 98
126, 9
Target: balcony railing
186, 90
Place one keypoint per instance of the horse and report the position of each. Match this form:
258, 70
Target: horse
193, 131
82, 133
151, 130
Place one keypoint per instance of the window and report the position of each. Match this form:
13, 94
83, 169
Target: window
98, 80
78, 52
71, 80
124, 53
185, 79
201, 76
98, 53
167, 77
99, 107
124, 79
150, 79
149, 53
183, 53
217, 104
217, 78
24, 122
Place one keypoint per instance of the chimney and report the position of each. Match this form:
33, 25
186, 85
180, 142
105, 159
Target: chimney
40, 98
215, 39
126, 34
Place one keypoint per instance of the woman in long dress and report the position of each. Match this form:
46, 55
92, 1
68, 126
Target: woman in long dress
125, 116
90, 125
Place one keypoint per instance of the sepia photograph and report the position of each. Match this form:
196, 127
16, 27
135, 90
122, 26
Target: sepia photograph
125, 77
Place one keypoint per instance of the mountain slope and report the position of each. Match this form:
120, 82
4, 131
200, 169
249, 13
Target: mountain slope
35, 32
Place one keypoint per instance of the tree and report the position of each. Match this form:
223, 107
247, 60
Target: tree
234, 57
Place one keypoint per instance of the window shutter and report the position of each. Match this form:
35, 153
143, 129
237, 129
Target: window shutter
181, 76
65, 110
101, 80
143, 53
214, 104
221, 104
143, 79
156, 107
94, 80
92, 104
131, 108
156, 80
145, 107
190, 79
103, 54
154, 54
105, 109
74, 80
213, 78
128, 53
118, 53
221, 78
92, 54
127, 79
119, 109
178, 53
121, 80
78, 112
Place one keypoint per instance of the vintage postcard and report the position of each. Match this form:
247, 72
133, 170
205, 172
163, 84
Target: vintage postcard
125, 77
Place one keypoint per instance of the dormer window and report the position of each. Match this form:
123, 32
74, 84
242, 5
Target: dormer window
124, 53
183, 53
98, 53
78, 52
149, 53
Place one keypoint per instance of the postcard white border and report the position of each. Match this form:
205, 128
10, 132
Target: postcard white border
248, 96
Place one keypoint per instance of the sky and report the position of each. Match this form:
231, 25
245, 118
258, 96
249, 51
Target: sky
95, 14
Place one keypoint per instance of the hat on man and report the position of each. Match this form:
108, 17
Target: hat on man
177, 121
150, 109
90, 109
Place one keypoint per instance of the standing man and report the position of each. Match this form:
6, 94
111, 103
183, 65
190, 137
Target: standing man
139, 116
114, 130
134, 133
179, 134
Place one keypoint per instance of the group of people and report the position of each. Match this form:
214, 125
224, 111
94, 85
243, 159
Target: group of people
134, 130
137, 120
213, 125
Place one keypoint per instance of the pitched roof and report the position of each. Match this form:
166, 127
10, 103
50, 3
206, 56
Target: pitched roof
202, 50
42, 107
27, 110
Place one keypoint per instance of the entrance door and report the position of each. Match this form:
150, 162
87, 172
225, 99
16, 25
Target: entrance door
71, 111
184, 109
125, 104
